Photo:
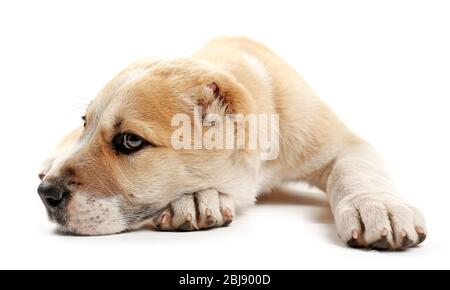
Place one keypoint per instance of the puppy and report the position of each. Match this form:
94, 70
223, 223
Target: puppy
129, 166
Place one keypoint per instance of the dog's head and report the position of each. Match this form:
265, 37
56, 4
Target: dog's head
123, 169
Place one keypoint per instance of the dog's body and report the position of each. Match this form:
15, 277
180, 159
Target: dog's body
100, 191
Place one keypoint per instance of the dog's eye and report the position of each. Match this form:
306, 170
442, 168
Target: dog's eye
131, 141
128, 143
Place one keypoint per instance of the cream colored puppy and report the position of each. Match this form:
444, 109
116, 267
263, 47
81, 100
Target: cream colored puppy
122, 170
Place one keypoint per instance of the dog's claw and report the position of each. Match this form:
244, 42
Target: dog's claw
228, 216
355, 234
420, 230
186, 227
352, 243
208, 212
381, 244
422, 236
403, 234
164, 219
211, 222
227, 223
407, 243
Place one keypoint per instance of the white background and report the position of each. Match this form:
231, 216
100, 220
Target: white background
383, 66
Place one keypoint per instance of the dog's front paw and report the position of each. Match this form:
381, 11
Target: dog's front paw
379, 221
202, 210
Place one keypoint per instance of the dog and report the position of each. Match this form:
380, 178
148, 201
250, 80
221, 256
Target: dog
121, 171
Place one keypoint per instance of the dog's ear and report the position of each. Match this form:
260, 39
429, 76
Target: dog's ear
214, 100
224, 97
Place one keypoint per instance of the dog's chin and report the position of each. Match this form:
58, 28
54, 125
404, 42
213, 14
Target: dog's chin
86, 231
89, 228
88, 223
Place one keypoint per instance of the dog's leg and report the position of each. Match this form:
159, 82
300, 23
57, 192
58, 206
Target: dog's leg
202, 210
63, 147
366, 210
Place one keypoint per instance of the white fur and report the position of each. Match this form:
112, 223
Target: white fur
362, 194
260, 72
88, 215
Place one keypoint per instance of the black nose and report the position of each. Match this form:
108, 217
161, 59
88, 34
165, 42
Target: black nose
52, 194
